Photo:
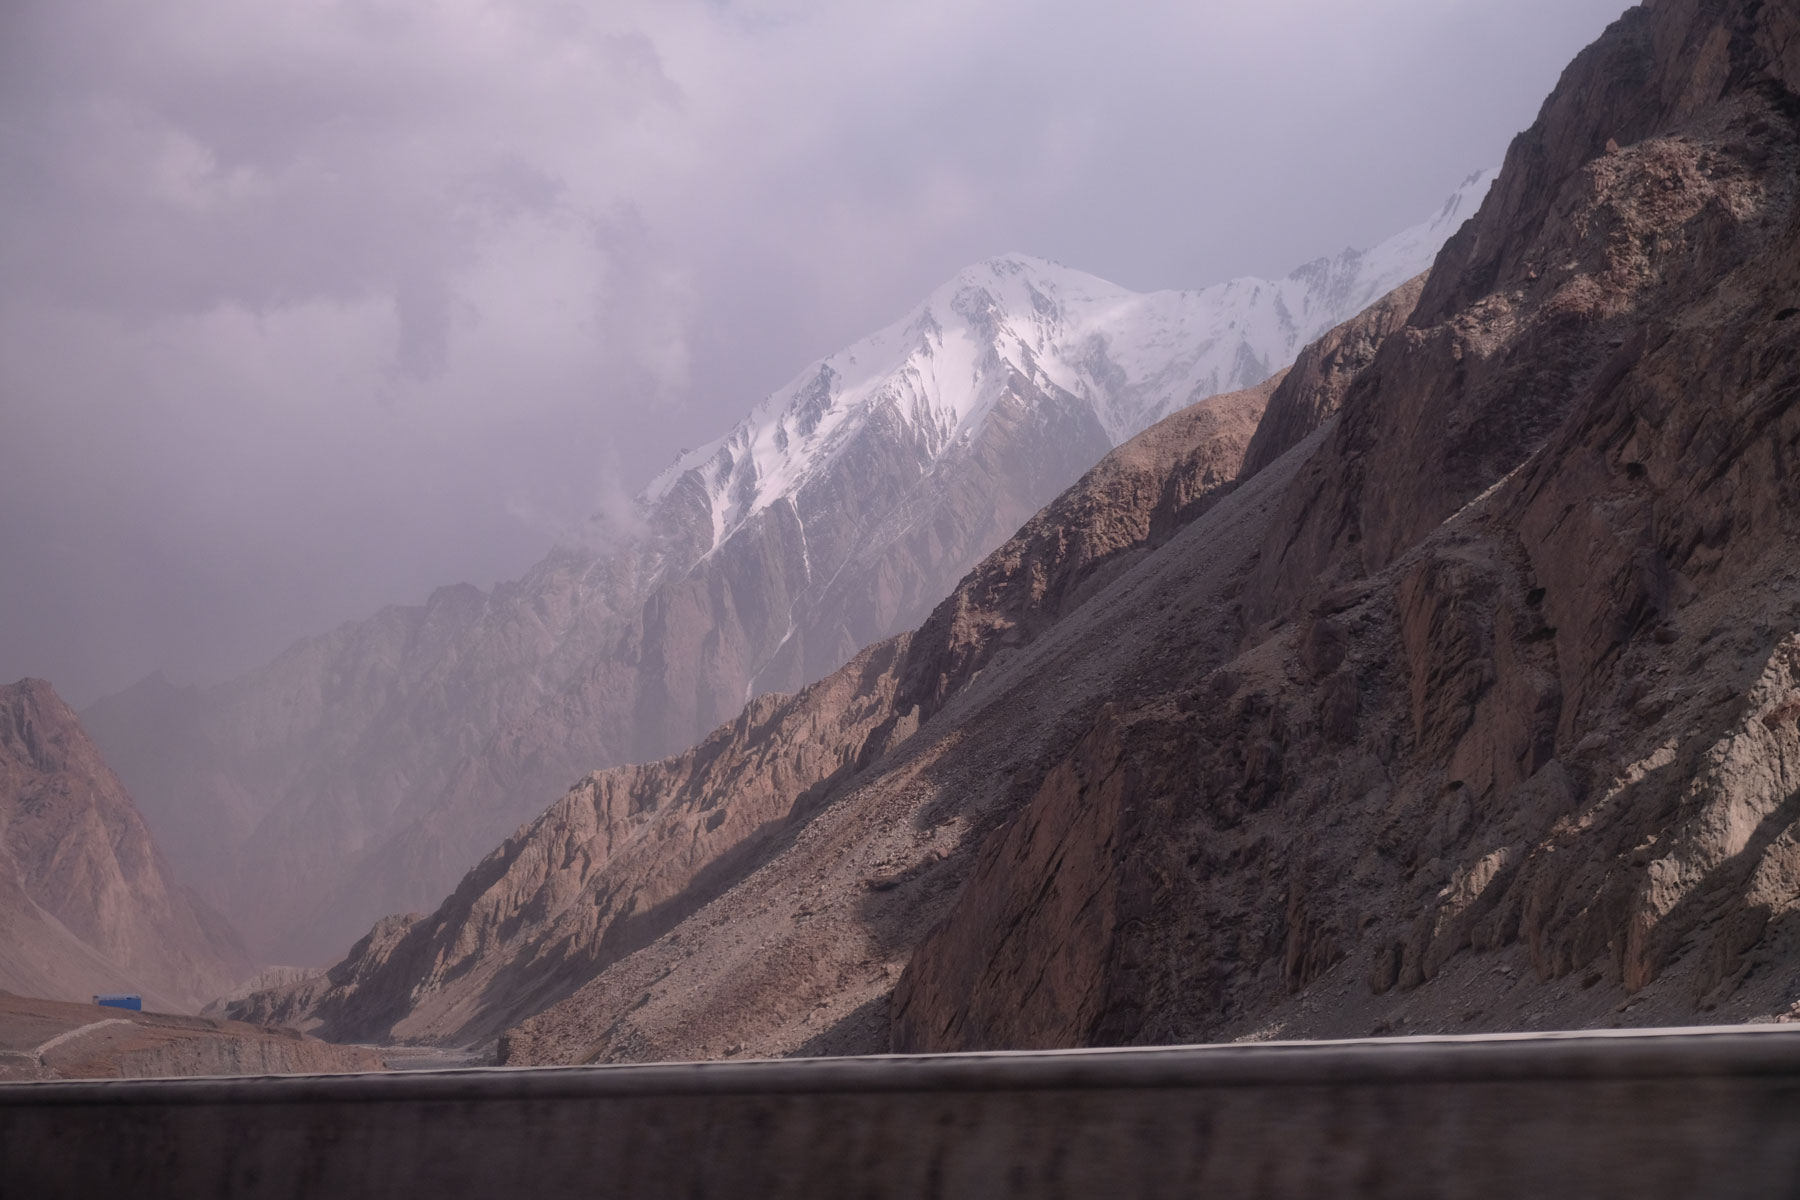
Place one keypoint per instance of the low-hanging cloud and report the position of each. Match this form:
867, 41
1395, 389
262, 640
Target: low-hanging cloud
310, 305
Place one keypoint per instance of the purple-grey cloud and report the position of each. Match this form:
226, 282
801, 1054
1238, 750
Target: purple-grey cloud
307, 307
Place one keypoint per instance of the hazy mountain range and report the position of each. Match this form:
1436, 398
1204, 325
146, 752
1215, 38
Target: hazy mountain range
88, 904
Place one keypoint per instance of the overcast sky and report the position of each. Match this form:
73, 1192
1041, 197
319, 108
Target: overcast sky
308, 306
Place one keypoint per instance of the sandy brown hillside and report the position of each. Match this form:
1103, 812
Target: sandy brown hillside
86, 902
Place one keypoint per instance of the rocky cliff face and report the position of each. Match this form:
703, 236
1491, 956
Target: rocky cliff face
87, 903
1324, 372
1509, 741
365, 770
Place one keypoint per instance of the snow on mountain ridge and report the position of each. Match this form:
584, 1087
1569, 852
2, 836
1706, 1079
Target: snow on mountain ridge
1132, 357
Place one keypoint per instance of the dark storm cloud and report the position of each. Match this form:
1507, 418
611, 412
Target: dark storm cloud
310, 306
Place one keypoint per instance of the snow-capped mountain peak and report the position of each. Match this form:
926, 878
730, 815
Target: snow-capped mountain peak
1130, 357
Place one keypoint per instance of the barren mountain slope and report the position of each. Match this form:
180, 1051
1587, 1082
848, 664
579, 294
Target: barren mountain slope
1324, 372
1122, 588
366, 769
87, 904
529, 923
802, 955
1512, 741
633, 851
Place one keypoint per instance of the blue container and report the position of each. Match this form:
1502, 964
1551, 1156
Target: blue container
134, 1003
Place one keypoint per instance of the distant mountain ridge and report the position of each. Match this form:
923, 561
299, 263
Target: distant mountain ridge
1131, 358
364, 770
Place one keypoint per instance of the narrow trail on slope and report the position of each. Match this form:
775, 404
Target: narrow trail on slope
71, 1034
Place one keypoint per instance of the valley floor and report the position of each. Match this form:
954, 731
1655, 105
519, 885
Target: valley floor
56, 1039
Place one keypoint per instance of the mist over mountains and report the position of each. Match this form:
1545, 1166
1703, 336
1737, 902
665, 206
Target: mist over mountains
310, 314
386, 756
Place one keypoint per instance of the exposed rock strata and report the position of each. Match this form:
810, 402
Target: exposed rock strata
87, 903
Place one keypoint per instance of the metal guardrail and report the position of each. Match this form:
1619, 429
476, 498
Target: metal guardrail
1643, 1114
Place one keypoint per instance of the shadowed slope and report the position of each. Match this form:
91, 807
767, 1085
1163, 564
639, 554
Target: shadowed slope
1511, 739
